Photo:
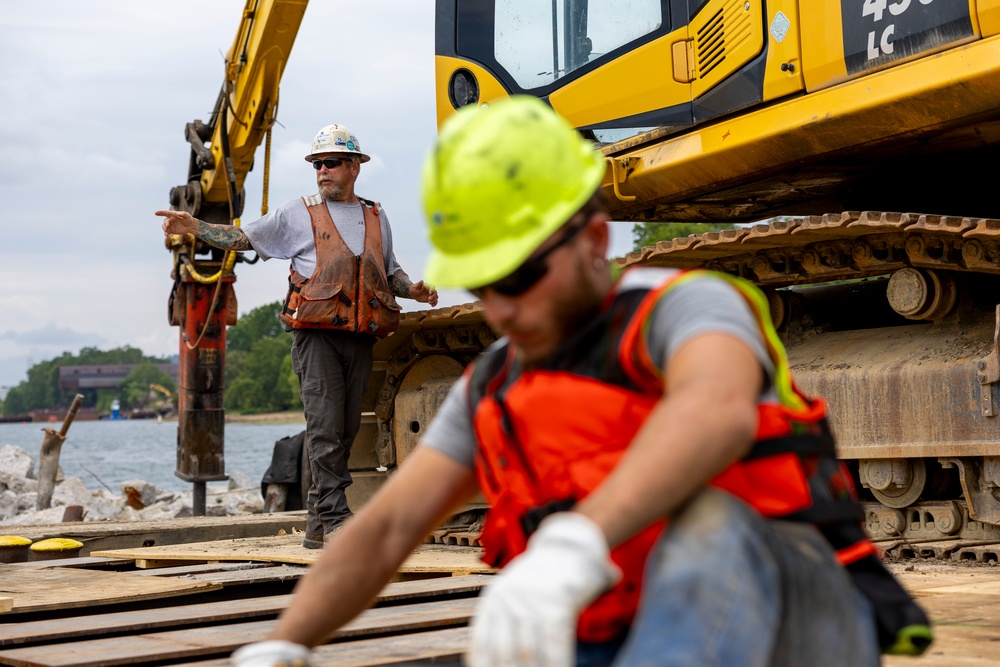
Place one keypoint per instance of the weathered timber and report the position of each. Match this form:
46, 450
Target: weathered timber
44, 589
90, 562
133, 621
48, 456
200, 568
428, 558
435, 645
108, 535
157, 563
6, 603
258, 576
223, 639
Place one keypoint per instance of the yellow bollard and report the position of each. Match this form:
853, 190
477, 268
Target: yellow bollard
55, 547
14, 549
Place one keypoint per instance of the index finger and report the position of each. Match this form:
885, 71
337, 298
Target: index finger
169, 214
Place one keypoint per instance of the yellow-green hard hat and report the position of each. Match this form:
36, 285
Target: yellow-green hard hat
500, 180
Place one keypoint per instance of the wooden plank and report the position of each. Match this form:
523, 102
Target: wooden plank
95, 625
200, 568
289, 549
6, 604
45, 589
223, 639
105, 535
157, 563
81, 561
436, 645
259, 576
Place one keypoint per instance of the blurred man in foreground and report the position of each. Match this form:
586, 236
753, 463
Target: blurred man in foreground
660, 492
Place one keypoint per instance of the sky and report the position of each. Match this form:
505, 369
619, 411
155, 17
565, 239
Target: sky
94, 98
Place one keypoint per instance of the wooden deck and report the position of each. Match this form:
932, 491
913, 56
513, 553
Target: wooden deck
193, 604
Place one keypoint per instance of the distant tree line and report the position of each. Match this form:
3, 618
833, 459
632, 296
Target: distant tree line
41, 389
651, 233
259, 376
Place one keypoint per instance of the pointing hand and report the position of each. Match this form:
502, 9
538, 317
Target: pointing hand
178, 222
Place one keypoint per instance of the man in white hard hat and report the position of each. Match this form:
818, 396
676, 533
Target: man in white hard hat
340, 300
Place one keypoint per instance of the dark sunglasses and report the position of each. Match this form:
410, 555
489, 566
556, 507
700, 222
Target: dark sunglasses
532, 270
329, 163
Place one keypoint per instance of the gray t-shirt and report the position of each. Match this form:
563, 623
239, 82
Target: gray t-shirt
286, 233
692, 308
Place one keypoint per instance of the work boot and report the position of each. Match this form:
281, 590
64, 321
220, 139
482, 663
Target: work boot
312, 541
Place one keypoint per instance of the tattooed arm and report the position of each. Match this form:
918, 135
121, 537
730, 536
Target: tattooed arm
226, 237
400, 285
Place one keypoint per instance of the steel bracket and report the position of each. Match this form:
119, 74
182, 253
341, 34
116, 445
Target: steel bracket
989, 372
983, 504
614, 177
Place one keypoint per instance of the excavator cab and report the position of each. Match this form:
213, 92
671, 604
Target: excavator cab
618, 69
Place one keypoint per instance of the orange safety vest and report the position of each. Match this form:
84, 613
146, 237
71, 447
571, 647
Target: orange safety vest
552, 434
346, 291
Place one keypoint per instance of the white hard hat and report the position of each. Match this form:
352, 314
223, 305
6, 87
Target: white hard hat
336, 139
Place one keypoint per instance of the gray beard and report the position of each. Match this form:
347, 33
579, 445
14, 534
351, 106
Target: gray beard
331, 192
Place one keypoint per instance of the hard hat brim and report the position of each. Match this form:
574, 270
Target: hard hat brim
361, 156
478, 268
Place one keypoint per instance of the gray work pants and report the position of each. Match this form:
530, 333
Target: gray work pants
333, 369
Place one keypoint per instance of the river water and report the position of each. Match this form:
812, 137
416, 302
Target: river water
116, 451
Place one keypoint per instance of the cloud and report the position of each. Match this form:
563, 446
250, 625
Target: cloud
53, 335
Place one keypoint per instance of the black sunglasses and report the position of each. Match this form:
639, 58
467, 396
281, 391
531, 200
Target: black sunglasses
329, 163
531, 271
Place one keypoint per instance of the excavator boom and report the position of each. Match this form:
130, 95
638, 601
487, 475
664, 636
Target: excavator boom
202, 301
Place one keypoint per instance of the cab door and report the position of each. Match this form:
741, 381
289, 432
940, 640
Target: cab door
606, 65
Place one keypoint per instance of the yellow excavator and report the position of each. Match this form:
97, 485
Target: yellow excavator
861, 134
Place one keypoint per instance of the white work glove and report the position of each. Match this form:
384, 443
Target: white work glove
528, 614
273, 653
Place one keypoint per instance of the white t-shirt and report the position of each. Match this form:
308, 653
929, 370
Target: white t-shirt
286, 233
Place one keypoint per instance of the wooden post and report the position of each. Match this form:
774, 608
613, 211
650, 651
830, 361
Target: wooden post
48, 457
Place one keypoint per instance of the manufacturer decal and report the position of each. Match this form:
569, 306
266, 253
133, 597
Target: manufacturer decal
779, 26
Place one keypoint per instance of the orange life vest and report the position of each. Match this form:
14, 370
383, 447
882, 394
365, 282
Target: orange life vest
346, 291
550, 435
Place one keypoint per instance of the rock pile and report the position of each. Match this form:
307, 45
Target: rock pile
137, 500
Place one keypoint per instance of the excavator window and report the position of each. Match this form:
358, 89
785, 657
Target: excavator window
535, 44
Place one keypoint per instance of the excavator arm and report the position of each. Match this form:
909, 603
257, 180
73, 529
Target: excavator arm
202, 302
243, 114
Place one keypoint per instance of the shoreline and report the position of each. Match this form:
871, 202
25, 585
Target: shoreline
289, 417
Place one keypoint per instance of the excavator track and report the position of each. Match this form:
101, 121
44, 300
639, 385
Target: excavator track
835, 246
811, 250
939, 530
